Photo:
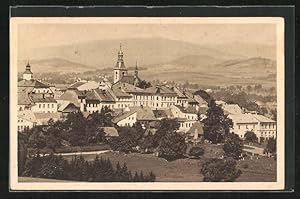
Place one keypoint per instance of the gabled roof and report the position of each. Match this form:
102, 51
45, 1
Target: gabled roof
104, 95
262, 118
64, 106
76, 85
122, 116
92, 96
27, 115
189, 109
243, 118
143, 113
129, 88
25, 89
160, 90
38, 99
119, 93
180, 92
32, 83
23, 98
43, 118
72, 96
110, 131
232, 108
130, 79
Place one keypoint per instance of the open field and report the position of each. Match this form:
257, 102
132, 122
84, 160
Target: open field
188, 170
262, 169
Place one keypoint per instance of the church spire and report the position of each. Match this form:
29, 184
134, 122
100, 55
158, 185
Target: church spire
136, 71
27, 75
120, 63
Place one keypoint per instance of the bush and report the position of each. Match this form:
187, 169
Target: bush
220, 170
196, 152
250, 136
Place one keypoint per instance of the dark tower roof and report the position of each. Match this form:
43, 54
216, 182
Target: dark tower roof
136, 71
28, 71
120, 62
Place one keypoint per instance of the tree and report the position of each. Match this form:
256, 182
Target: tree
271, 145
196, 151
220, 170
147, 143
249, 88
172, 146
52, 167
250, 136
129, 137
233, 146
274, 114
22, 152
166, 126
216, 125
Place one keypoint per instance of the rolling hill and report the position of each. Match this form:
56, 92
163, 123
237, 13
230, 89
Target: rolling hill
103, 53
54, 65
159, 58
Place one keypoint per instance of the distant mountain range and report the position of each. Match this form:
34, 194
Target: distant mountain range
159, 58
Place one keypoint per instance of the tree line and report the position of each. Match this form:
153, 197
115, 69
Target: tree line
79, 169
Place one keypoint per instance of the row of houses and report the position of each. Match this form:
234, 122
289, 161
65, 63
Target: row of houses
39, 101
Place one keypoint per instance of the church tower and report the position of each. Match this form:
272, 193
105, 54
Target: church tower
136, 74
120, 70
27, 75
136, 71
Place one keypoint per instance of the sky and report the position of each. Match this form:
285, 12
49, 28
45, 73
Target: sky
55, 34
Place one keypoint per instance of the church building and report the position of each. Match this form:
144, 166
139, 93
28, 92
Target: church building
121, 72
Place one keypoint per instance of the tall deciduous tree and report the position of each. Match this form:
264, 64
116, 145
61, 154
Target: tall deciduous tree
233, 146
216, 125
172, 146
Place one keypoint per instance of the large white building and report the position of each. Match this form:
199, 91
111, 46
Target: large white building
262, 126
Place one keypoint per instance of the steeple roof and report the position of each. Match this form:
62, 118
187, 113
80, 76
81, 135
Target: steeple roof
28, 71
120, 62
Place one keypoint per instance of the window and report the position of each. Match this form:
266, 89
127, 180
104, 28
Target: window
157, 98
253, 126
40, 106
48, 105
43, 105
239, 126
246, 126
52, 105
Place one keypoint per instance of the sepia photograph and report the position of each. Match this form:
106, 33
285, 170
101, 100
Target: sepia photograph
147, 103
